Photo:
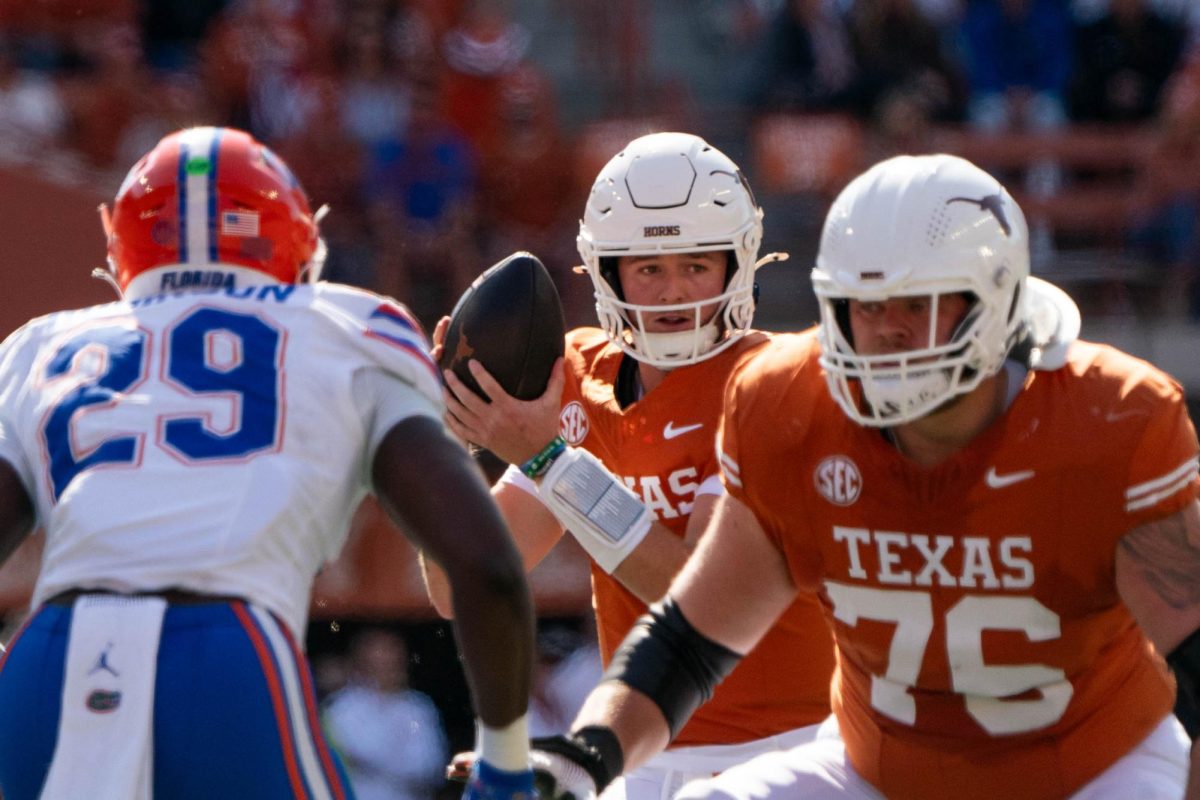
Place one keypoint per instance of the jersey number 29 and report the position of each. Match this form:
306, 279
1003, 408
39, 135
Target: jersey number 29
250, 378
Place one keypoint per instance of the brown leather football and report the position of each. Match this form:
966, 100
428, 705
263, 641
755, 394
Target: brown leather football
510, 320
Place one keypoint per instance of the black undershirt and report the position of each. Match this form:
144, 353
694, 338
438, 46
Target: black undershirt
628, 388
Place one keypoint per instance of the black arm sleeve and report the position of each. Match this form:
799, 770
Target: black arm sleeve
672, 663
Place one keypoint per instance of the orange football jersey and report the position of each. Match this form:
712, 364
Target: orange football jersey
981, 640
662, 446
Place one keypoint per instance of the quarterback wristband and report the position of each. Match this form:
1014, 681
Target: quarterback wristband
599, 510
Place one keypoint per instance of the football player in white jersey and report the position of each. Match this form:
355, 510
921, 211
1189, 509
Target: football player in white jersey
194, 452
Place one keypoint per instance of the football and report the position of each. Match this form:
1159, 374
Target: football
510, 320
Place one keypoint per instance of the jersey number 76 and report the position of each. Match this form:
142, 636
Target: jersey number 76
989, 691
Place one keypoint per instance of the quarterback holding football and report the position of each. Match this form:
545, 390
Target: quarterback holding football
619, 450
1000, 520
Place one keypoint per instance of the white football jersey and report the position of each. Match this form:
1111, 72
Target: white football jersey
215, 441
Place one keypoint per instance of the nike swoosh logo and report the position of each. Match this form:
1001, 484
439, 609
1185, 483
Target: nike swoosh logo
997, 481
670, 432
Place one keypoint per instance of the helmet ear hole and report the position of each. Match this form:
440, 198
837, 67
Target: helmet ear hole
731, 266
972, 309
610, 271
841, 314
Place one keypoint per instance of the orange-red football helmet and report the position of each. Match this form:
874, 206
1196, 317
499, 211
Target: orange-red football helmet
211, 197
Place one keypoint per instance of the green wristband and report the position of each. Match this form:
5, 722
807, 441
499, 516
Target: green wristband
537, 466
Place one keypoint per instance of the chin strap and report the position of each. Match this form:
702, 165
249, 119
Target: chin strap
770, 258
107, 276
106, 273
660, 346
311, 272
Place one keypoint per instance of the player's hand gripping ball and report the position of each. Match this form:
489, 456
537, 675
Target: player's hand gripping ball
510, 320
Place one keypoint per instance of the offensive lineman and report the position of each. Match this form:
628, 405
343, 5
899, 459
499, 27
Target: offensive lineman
1001, 522
194, 458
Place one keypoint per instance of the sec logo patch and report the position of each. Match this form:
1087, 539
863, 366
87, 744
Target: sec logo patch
573, 423
838, 480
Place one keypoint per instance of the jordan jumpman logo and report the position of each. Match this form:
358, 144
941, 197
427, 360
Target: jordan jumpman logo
102, 663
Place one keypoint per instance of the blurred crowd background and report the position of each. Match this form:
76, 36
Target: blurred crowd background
444, 134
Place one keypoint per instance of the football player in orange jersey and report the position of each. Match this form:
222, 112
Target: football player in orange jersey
670, 238
1000, 521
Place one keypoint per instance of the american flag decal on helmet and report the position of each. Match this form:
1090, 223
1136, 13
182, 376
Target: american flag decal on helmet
239, 223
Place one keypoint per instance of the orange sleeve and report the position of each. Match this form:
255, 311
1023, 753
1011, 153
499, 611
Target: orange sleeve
736, 416
766, 416
1163, 470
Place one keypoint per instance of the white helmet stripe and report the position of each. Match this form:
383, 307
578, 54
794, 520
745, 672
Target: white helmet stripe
198, 196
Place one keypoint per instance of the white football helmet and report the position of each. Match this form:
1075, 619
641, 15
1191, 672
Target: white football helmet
671, 193
921, 226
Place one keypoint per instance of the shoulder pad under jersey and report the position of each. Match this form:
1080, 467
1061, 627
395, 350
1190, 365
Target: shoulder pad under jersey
385, 330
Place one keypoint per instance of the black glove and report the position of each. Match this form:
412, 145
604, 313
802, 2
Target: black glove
577, 766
